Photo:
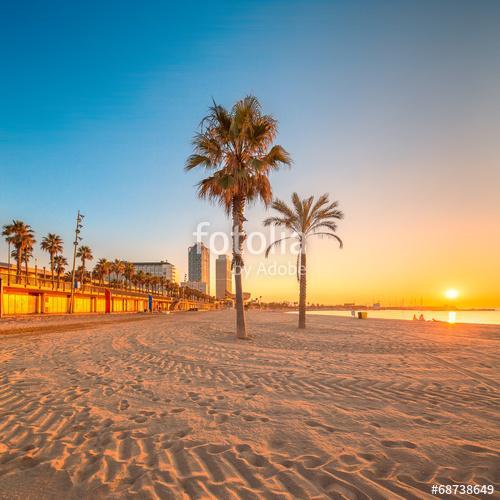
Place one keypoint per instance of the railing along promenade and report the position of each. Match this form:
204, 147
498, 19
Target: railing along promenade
39, 294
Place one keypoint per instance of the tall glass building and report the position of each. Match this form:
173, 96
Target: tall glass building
199, 265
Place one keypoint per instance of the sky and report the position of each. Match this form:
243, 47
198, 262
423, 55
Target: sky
393, 108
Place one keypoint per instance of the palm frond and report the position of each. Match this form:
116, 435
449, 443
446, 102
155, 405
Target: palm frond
331, 235
274, 243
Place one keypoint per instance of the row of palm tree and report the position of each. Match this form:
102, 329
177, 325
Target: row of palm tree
117, 273
236, 147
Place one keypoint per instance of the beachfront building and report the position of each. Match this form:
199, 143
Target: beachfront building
223, 277
199, 266
159, 269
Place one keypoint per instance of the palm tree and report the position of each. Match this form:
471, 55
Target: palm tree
84, 253
101, 269
106, 269
128, 272
10, 239
305, 218
60, 264
27, 255
118, 267
22, 237
236, 147
53, 244
139, 279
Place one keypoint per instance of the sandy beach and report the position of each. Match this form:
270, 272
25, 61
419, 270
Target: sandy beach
172, 406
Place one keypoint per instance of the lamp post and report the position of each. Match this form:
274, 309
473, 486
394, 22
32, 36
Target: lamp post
79, 225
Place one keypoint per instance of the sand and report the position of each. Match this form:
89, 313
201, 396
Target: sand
172, 406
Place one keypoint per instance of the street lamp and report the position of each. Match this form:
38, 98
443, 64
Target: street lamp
79, 225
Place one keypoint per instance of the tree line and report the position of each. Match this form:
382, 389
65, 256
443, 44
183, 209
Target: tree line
116, 273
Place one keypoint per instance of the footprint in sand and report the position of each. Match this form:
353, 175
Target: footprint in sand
313, 423
349, 459
139, 419
476, 449
399, 444
123, 404
182, 433
177, 410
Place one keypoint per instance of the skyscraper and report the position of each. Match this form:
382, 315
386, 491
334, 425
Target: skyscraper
199, 265
223, 277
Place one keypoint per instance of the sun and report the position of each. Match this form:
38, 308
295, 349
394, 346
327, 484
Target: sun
451, 293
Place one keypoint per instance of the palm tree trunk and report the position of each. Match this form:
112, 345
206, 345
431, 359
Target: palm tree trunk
26, 267
238, 239
82, 276
52, 268
8, 275
302, 292
19, 260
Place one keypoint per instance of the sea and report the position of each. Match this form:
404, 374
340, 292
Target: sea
490, 317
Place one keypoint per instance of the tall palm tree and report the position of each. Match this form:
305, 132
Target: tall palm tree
305, 218
60, 264
27, 255
10, 239
53, 244
236, 147
22, 237
85, 254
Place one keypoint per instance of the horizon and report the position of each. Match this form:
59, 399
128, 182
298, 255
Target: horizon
394, 111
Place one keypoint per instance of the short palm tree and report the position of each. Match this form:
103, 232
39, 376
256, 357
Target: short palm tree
85, 254
53, 245
101, 269
139, 279
118, 266
60, 264
129, 272
236, 147
305, 218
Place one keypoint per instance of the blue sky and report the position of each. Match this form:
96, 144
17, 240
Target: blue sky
392, 107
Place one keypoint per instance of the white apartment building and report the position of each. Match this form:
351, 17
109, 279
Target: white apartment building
162, 268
